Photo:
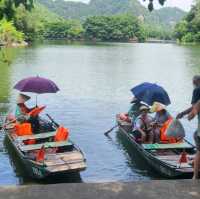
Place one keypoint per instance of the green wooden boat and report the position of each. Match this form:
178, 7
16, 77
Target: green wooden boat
67, 159
162, 158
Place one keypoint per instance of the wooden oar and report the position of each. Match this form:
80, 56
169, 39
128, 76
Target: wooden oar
110, 130
52, 120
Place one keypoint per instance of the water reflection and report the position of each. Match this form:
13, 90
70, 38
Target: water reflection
95, 81
135, 162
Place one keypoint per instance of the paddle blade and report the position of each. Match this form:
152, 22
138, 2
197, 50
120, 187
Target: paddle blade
41, 154
110, 130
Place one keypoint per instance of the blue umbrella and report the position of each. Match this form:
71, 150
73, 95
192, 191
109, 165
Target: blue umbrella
150, 93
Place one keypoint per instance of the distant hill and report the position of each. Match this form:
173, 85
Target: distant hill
166, 16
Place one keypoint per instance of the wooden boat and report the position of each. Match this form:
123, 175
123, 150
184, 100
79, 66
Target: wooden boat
66, 159
163, 158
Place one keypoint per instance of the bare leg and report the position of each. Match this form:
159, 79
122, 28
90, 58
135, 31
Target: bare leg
196, 165
157, 135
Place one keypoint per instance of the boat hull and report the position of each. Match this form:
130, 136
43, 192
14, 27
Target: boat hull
34, 171
156, 164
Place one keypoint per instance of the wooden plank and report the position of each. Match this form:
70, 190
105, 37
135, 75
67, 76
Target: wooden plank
183, 145
60, 162
71, 157
46, 145
64, 156
54, 162
67, 167
55, 159
186, 170
36, 136
173, 157
174, 160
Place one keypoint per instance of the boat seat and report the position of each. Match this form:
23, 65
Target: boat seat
183, 145
174, 160
31, 147
36, 136
173, 157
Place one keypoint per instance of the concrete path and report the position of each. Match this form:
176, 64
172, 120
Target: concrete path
181, 189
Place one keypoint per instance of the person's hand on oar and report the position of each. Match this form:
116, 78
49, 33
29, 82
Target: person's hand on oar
110, 130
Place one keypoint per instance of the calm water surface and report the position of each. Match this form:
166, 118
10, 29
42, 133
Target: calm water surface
95, 81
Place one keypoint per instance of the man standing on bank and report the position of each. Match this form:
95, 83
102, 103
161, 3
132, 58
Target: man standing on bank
192, 112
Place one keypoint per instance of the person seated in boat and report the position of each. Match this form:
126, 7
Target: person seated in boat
21, 108
22, 113
134, 110
161, 117
132, 113
142, 126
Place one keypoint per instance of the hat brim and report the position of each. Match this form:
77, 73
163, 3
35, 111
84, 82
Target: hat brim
22, 98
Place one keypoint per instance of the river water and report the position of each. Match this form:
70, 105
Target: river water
95, 82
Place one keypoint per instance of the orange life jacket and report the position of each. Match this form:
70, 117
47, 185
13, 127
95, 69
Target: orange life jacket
62, 134
24, 129
163, 130
36, 111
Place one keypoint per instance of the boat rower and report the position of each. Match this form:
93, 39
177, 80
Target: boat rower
142, 124
25, 114
134, 110
21, 108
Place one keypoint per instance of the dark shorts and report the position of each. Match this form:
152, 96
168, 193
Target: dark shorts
197, 140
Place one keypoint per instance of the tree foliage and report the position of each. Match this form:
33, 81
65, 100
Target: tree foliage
166, 16
8, 7
32, 23
40, 23
64, 29
9, 34
188, 30
114, 28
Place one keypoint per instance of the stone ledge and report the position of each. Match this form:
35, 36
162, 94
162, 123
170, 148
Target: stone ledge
164, 189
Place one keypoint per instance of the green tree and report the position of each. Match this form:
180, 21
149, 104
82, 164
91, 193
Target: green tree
63, 29
114, 28
8, 7
32, 23
9, 34
189, 28
181, 29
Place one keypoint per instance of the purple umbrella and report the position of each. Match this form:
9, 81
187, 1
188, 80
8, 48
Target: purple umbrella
37, 85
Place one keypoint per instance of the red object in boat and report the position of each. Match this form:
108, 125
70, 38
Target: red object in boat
183, 158
40, 155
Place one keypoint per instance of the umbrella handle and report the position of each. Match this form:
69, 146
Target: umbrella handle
36, 100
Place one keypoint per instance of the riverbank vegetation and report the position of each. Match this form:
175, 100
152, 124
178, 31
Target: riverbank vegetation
9, 35
188, 30
29, 22
114, 28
